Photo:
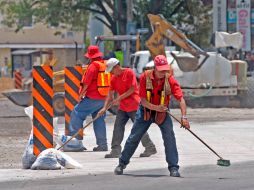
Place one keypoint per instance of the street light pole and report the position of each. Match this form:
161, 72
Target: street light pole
76, 50
129, 21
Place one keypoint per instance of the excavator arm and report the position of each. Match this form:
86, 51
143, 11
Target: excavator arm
163, 29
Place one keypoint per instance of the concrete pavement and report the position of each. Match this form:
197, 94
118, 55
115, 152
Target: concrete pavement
233, 140
206, 177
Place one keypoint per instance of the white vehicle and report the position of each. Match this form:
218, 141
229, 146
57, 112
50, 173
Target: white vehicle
142, 60
206, 78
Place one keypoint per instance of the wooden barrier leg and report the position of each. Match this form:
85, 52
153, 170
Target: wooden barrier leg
42, 108
18, 80
72, 77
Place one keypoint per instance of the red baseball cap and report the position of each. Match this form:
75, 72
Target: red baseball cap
161, 63
93, 52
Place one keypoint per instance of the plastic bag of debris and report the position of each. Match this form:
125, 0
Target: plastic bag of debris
74, 145
28, 157
46, 160
52, 159
66, 161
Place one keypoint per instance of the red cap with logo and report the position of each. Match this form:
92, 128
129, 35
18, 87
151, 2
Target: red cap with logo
93, 52
161, 63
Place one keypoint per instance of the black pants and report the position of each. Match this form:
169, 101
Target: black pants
122, 118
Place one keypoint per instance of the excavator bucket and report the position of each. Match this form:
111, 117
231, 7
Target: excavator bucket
19, 97
186, 63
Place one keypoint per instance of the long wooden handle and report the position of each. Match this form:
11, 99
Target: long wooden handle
89, 123
195, 135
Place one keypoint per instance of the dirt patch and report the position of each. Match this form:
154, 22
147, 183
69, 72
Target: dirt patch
6, 84
14, 133
15, 127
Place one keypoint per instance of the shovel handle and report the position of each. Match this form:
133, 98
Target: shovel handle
195, 136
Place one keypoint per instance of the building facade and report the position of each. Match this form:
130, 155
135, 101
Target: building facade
235, 16
66, 46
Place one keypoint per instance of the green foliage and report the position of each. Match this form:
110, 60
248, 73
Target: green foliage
50, 12
108, 47
190, 16
87, 43
15, 12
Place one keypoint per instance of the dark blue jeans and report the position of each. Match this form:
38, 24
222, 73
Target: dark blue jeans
84, 108
139, 128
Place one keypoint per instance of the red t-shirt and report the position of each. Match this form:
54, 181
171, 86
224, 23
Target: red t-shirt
159, 83
90, 79
121, 84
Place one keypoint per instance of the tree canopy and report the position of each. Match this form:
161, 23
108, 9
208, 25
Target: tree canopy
184, 14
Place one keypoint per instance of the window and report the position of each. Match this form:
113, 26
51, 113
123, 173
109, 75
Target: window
26, 22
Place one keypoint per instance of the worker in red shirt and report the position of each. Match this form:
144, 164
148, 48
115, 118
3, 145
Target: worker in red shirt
92, 97
156, 87
125, 84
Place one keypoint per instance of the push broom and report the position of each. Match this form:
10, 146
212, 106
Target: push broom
221, 161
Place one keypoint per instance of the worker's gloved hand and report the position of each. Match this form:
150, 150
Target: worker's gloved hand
185, 123
161, 108
102, 111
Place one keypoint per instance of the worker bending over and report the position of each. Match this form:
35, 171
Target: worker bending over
156, 87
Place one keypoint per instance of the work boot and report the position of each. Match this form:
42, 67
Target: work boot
100, 148
148, 152
119, 169
113, 154
174, 172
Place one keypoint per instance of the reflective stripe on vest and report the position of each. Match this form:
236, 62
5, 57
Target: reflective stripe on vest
155, 96
103, 79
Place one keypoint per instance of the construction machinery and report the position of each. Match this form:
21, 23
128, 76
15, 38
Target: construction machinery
23, 97
207, 78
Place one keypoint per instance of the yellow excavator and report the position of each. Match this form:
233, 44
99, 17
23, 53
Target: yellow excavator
207, 78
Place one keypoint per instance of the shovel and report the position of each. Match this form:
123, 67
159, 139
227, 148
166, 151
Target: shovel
221, 161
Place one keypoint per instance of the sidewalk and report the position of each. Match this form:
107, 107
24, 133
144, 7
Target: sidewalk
232, 140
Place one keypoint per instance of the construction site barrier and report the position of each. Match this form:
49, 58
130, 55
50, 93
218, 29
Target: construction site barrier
42, 108
72, 76
18, 79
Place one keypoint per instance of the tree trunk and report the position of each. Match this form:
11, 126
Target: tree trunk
156, 6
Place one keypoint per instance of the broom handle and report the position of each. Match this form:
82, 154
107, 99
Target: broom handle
89, 123
196, 136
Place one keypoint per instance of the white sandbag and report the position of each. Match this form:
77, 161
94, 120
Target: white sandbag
28, 157
74, 145
66, 161
47, 160
29, 112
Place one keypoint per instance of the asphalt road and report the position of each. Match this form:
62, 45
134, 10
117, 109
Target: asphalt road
15, 127
205, 177
229, 131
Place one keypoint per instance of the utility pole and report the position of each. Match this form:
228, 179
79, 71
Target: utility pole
129, 22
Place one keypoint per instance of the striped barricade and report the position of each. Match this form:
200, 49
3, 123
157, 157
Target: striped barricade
18, 79
72, 76
42, 108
